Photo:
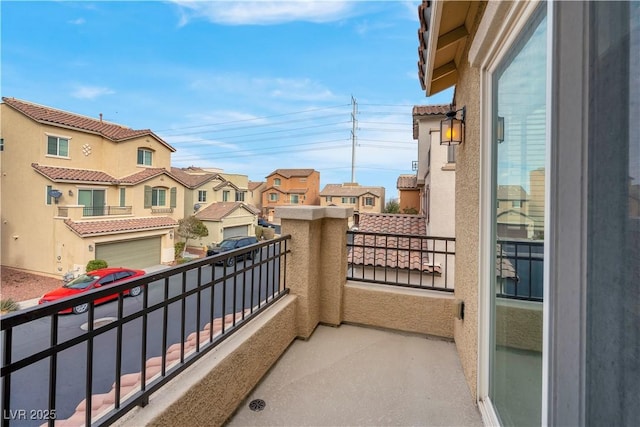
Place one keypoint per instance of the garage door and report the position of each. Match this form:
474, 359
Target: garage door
241, 230
139, 253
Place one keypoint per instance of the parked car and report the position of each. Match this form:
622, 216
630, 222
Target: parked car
232, 243
92, 280
264, 223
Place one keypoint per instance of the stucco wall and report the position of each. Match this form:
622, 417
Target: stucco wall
519, 324
467, 222
404, 309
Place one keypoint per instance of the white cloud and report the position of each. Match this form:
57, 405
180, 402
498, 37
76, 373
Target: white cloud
264, 12
91, 92
78, 21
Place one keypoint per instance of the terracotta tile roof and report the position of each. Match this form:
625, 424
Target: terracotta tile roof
57, 174
431, 110
189, 179
144, 175
393, 224
350, 190
396, 251
218, 211
113, 226
253, 185
512, 192
226, 183
288, 173
407, 182
297, 191
47, 115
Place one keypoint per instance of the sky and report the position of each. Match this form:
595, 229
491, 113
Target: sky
244, 86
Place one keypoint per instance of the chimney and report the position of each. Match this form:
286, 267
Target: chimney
100, 117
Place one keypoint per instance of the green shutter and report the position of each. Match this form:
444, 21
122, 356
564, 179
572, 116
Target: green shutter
173, 197
147, 197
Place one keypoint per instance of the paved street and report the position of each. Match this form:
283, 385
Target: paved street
29, 386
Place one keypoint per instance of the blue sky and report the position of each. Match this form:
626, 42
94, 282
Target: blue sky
247, 87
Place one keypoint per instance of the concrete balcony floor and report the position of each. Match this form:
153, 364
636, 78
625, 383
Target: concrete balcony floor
357, 376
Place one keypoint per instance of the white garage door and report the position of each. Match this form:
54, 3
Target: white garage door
139, 253
240, 230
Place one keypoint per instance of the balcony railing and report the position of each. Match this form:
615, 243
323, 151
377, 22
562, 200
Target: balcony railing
183, 313
519, 268
106, 210
403, 260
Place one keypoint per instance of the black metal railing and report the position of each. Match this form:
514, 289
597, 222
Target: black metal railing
50, 361
106, 210
519, 269
414, 261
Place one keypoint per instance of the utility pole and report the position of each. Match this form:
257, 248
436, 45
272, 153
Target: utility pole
354, 127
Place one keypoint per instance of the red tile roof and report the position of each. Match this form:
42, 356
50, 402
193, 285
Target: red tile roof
47, 115
113, 226
218, 211
144, 175
396, 251
288, 173
393, 224
431, 110
57, 174
253, 185
192, 180
338, 190
407, 182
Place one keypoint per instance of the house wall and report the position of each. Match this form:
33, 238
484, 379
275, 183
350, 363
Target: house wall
238, 217
409, 199
126, 153
467, 231
442, 202
311, 183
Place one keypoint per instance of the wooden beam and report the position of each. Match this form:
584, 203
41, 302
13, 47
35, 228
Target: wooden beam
452, 37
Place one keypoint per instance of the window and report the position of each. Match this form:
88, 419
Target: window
48, 194
451, 154
158, 197
1, 144
369, 201
329, 198
273, 197
122, 197
349, 200
516, 204
202, 195
93, 201
277, 182
145, 157
57, 146
294, 198
225, 196
240, 196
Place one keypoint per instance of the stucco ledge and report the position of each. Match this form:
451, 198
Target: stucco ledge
310, 213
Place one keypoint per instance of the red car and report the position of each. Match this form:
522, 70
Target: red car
92, 280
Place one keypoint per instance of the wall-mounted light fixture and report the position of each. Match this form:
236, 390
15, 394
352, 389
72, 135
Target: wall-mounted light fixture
452, 128
70, 192
90, 248
171, 234
500, 130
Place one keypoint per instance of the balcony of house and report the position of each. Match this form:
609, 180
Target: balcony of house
270, 334
81, 211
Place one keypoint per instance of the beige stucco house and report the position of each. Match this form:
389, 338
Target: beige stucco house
76, 188
436, 174
361, 198
227, 219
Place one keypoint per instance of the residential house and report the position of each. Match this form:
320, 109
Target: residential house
361, 198
218, 199
254, 195
534, 82
80, 188
409, 194
227, 219
512, 212
436, 174
286, 187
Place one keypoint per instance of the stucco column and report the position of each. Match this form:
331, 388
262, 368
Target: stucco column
317, 265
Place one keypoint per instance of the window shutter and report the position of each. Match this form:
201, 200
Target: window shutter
173, 197
147, 197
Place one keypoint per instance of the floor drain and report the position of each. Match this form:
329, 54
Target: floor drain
98, 323
257, 405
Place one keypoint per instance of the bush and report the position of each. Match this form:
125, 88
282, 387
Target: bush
7, 305
178, 248
96, 264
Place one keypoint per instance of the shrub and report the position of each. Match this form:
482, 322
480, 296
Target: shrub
96, 264
178, 248
7, 305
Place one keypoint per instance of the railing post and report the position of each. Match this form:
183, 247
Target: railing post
317, 264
